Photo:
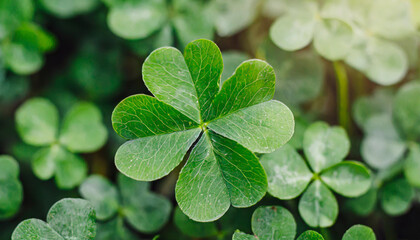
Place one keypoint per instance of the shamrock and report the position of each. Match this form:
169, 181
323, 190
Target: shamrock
10, 187
69, 218
143, 210
224, 125
159, 19
275, 222
82, 131
325, 147
307, 20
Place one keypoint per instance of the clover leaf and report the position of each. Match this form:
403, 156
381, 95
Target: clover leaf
359, 232
81, 131
227, 126
325, 148
332, 37
391, 129
233, 16
12, 14
136, 19
67, 9
133, 201
310, 235
23, 50
270, 222
11, 194
69, 218
396, 196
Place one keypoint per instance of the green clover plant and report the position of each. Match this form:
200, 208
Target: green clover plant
275, 222
270, 222
11, 193
307, 20
362, 33
160, 19
133, 201
325, 148
192, 228
68, 219
22, 42
82, 131
391, 129
224, 125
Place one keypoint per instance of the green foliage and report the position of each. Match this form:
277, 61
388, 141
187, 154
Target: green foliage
270, 222
67, 9
133, 201
192, 228
69, 218
325, 147
363, 34
11, 193
188, 106
359, 232
81, 131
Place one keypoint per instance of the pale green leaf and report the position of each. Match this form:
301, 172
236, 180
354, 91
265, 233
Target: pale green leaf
233, 16
310, 235
325, 146
318, 206
191, 228
66, 9
167, 76
21, 59
102, 194
407, 112
70, 169
136, 19
82, 129
391, 19
294, 31
153, 157
218, 173
261, 128
140, 116
382, 145
37, 122
273, 222
412, 165
68, 219
359, 232
11, 193
287, 173
333, 39
143, 209
44, 161
382, 61
350, 179
396, 197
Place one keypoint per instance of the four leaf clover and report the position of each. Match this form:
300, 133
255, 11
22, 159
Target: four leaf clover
82, 131
143, 210
69, 218
11, 194
224, 125
325, 148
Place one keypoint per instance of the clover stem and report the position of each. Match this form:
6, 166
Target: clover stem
342, 95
